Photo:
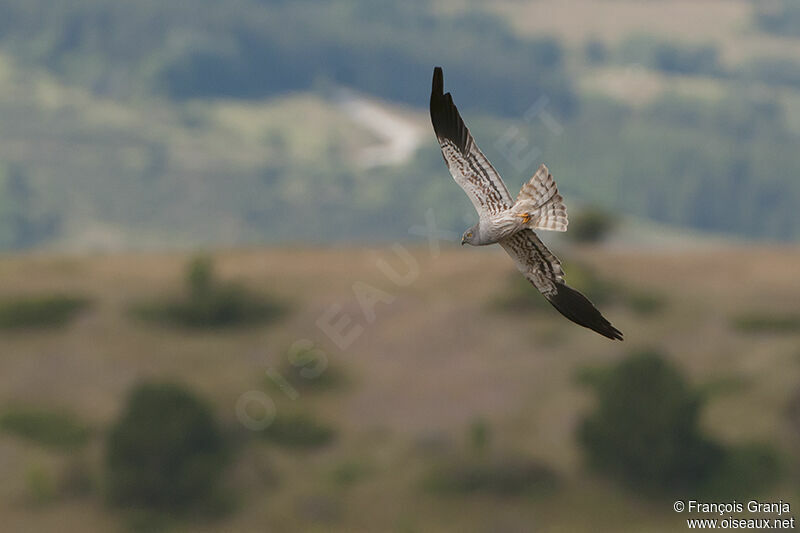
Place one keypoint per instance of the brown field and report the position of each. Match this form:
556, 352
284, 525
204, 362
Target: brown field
439, 356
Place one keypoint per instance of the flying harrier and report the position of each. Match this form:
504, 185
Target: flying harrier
507, 222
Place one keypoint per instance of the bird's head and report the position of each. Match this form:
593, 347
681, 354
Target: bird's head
470, 237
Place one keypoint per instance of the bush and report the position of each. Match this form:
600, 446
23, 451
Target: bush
645, 303
645, 432
349, 473
591, 225
40, 484
767, 323
505, 476
793, 413
209, 303
53, 429
645, 428
166, 451
744, 471
40, 311
306, 368
479, 436
298, 431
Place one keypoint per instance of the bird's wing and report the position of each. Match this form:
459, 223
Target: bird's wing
543, 270
469, 167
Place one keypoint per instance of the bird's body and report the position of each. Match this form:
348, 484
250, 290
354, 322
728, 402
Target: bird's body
508, 222
492, 231
538, 206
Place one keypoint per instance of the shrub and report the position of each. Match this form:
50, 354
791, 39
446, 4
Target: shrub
591, 225
40, 311
53, 429
46, 483
308, 369
645, 303
76, 478
767, 323
210, 303
349, 473
745, 470
298, 431
645, 428
793, 413
645, 431
40, 484
166, 451
506, 476
479, 435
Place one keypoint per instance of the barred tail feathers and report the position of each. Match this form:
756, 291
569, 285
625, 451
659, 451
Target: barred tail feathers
540, 199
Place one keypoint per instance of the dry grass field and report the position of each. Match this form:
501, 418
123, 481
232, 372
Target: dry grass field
438, 357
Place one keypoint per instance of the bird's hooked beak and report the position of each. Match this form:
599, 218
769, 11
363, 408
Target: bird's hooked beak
463, 240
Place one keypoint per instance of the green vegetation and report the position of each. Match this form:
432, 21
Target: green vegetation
745, 469
46, 483
40, 311
53, 429
41, 484
590, 225
199, 50
645, 303
645, 432
479, 436
298, 431
210, 303
781, 17
502, 456
670, 57
503, 476
755, 322
645, 428
349, 473
720, 160
307, 368
166, 451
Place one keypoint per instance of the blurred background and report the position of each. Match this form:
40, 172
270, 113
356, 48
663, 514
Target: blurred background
232, 296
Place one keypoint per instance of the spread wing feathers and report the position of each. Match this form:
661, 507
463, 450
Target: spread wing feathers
540, 196
467, 164
543, 270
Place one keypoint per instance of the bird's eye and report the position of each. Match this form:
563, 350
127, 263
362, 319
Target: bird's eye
469, 235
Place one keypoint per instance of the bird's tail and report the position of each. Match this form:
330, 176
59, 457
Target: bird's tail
576, 307
540, 203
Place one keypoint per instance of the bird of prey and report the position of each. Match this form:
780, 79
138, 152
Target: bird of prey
508, 222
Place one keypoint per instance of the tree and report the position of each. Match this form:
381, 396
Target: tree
645, 429
166, 451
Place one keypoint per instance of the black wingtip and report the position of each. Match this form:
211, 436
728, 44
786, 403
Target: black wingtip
447, 122
438, 82
576, 307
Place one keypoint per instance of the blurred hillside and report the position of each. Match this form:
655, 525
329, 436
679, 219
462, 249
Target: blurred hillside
152, 124
448, 429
